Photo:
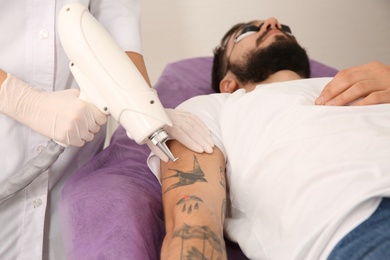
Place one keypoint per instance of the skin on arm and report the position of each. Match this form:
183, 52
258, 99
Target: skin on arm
194, 200
362, 85
139, 62
3, 76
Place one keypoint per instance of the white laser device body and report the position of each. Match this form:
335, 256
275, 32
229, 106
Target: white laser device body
108, 78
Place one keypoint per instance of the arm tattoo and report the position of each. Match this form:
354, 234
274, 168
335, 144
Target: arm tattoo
223, 211
189, 199
211, 243
187, 178
223, 179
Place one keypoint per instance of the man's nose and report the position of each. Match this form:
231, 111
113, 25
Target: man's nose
271, 23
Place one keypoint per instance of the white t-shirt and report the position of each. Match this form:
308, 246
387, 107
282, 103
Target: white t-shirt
30, 50
301, 176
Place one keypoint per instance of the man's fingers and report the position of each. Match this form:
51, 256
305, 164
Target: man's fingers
357, 91
380, 97
347, 86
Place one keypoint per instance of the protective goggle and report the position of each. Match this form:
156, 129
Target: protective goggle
252, 29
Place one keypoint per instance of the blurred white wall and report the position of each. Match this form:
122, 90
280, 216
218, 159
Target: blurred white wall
338, 33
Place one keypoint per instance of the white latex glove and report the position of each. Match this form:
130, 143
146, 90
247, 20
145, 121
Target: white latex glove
60, 115
189, 130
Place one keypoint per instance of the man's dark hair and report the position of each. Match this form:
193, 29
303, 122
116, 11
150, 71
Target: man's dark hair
220, 63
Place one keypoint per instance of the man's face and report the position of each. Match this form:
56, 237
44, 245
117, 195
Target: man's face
255, 55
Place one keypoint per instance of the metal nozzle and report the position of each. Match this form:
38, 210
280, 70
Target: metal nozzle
159, 138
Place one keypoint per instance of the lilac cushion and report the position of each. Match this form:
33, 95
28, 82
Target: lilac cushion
111, 208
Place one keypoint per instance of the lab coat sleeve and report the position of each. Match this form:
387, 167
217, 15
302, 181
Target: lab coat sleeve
122, 19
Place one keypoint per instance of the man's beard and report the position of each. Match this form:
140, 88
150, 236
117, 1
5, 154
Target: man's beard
283, 54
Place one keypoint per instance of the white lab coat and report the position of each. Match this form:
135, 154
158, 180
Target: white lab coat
31, 51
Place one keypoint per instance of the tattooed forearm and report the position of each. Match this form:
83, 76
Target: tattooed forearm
199, 242
194, 198
187, 178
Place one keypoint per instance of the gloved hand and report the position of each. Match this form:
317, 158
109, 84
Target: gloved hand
60, 115
189, 130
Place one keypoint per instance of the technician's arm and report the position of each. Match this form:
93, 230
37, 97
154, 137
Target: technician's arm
59, 115
136, 58
3, 76
139, 62
367, 85
194, 200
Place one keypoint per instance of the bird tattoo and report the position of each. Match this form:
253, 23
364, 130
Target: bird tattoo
187, 178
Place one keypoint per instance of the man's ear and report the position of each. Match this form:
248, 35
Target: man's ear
228, 84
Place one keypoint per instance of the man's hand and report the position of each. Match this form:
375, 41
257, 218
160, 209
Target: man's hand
189, 130
368, 84
60, 115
